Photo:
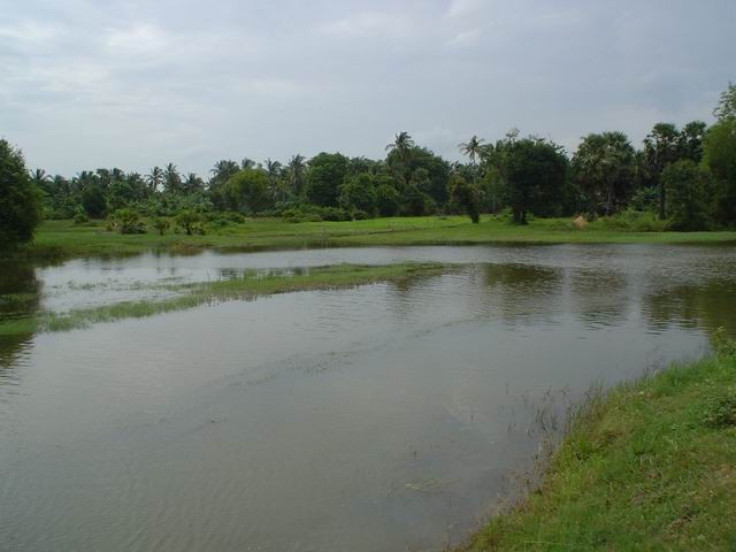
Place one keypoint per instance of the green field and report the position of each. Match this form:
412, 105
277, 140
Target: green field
649, 466
65, 239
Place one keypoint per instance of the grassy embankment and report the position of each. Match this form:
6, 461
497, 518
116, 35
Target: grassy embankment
248, 286
651, 465
64, 239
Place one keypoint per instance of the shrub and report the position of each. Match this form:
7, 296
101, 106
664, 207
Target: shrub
633, 221
127, 221
160, 224
190, 222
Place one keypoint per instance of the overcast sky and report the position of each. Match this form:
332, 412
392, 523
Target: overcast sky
133, 84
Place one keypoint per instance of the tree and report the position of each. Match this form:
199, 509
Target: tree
691, 141
155, 179
661, 147
172, 179
472, 148
160, 224
536, 171
726, 108
189, 221
720, 156
387, 199
325, 175
297, 169
247, 191
19, 199
687, 192
358, 194
402, 144
467, 195
402, 147
603, 167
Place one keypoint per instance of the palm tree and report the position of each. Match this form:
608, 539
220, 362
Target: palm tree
247, 163
39, 177
402, 144
273, 168
296, 170
472, 148
155, 178
193, 183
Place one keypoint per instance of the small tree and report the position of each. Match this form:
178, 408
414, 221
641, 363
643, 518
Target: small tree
466, 195
687, 187
189, 221
160, 224
19, 201
127, 221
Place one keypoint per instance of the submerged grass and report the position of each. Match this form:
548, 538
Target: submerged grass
650, 465
63, 239
248, 286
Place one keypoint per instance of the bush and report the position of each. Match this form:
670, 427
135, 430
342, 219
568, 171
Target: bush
190, 222
127, 221
160, 224
633, 221
80, 217
312, 213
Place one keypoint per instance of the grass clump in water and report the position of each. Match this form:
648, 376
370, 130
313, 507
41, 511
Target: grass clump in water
248, 286
650, 465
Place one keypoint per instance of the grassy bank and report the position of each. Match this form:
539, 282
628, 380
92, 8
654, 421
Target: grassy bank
649, 466
249, 286
64, 239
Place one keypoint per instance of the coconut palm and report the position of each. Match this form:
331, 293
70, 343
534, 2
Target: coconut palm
155, 178
472, 148
297, 168
402, 144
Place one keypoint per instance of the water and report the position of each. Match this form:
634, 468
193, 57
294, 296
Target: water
386, 417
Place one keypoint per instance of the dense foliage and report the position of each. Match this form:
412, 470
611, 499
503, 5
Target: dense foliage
19, 213
685, 177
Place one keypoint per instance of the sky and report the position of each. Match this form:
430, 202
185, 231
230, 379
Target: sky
134, 84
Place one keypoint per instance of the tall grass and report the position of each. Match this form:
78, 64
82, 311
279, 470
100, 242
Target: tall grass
648, 465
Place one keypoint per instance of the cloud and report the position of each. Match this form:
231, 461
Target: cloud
460, 8
463, 39
88, 83
370, 24
137, 40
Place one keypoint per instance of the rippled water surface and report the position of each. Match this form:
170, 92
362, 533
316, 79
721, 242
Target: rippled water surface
386, 417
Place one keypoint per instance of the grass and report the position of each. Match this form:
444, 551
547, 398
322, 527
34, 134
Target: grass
249, 286
651, 465
64, 239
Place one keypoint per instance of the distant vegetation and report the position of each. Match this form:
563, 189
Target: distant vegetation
685, 178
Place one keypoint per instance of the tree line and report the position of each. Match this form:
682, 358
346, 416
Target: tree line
686, 176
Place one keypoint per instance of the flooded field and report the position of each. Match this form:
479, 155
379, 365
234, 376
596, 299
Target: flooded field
385, 417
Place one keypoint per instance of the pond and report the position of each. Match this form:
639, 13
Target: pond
384, 417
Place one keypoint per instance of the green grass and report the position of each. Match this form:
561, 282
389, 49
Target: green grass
249, 286
651, 465
64, 239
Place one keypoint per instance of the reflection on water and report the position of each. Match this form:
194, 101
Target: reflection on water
19, 299
386, 417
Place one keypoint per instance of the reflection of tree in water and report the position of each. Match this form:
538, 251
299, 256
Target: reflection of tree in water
402, 299
601, 297
19, 300
515, 292
708, 306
